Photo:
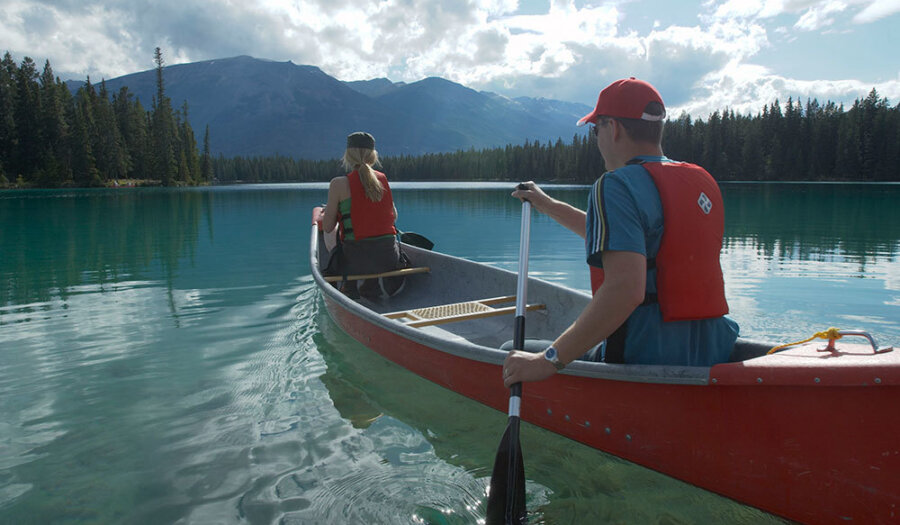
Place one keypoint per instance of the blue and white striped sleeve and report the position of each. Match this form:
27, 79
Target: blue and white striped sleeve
596, 229
613, 217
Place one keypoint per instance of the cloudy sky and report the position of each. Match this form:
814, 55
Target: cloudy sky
702, 55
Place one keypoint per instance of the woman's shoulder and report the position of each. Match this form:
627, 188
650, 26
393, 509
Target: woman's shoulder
340, 180
341, 185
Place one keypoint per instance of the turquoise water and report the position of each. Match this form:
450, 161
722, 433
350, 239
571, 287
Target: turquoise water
164, 356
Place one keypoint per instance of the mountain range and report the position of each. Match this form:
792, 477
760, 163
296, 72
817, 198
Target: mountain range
257, 107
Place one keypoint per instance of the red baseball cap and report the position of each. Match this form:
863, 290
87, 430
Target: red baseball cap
626, 98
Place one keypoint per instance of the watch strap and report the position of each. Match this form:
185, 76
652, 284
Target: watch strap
552, 354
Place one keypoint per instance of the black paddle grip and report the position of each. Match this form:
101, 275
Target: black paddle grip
522, 186
519, 334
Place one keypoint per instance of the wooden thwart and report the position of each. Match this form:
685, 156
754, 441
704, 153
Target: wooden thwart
448, 313
392, 273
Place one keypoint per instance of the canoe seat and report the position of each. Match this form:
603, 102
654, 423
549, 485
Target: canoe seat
392, 273
448, 313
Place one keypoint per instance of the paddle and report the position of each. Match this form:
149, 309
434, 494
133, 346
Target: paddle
415, 239
506, 500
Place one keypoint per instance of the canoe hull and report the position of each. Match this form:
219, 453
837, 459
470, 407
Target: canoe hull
777, 448
803, 434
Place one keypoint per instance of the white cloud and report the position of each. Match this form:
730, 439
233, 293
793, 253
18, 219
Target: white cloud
814, 14
877, 10
78, 41
740, 9
819, 16
746, 88
762, 9
568, 52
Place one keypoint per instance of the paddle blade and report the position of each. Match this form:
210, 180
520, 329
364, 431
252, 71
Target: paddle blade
507, 481
414, 239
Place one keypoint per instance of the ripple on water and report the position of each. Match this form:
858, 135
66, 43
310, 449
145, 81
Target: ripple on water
310, 465
10, 492
386, 473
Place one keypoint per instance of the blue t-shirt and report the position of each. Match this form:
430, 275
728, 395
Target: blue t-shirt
624, 213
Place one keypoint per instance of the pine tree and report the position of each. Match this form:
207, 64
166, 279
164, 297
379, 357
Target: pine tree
106, 139
84, 168
26, 114
848, 160
189, 148
163, 129
54, 131
206, 164
132, 120
8, 140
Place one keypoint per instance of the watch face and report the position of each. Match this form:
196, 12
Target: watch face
550, 354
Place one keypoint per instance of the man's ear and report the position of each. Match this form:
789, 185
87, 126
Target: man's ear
617, 129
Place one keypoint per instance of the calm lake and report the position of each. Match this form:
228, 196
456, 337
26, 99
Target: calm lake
165, 357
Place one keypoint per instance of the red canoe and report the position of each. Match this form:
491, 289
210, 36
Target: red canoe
809, 434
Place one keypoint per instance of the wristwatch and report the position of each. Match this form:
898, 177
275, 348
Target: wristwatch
550, 354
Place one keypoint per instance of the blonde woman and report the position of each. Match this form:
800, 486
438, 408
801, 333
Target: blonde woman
361, 206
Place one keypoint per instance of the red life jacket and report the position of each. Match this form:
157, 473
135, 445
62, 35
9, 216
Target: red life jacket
369, 218
689, 282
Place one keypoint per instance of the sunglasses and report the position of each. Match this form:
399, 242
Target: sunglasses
602, 121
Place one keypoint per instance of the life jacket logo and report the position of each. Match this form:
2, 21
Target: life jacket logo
704, 203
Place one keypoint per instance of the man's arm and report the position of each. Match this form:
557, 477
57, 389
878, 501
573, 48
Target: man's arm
622, 291
562, 212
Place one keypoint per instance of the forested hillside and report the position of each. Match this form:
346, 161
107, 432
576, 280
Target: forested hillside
50, 138
811, 142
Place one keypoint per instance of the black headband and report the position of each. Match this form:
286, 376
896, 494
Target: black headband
360, 139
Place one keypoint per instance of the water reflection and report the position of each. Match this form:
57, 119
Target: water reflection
477, 201
819, 222
54, 241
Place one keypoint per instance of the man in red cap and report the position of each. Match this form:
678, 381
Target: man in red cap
653, 231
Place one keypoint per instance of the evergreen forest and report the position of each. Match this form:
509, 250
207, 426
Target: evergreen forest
797, 142
51, 138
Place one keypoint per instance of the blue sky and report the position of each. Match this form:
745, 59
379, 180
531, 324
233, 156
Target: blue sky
701, 55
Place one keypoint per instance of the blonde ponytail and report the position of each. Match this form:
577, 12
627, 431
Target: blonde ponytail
362, 160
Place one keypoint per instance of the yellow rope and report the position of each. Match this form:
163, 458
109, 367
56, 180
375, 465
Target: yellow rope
831, 334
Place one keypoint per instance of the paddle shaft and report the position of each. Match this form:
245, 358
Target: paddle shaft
514, 468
